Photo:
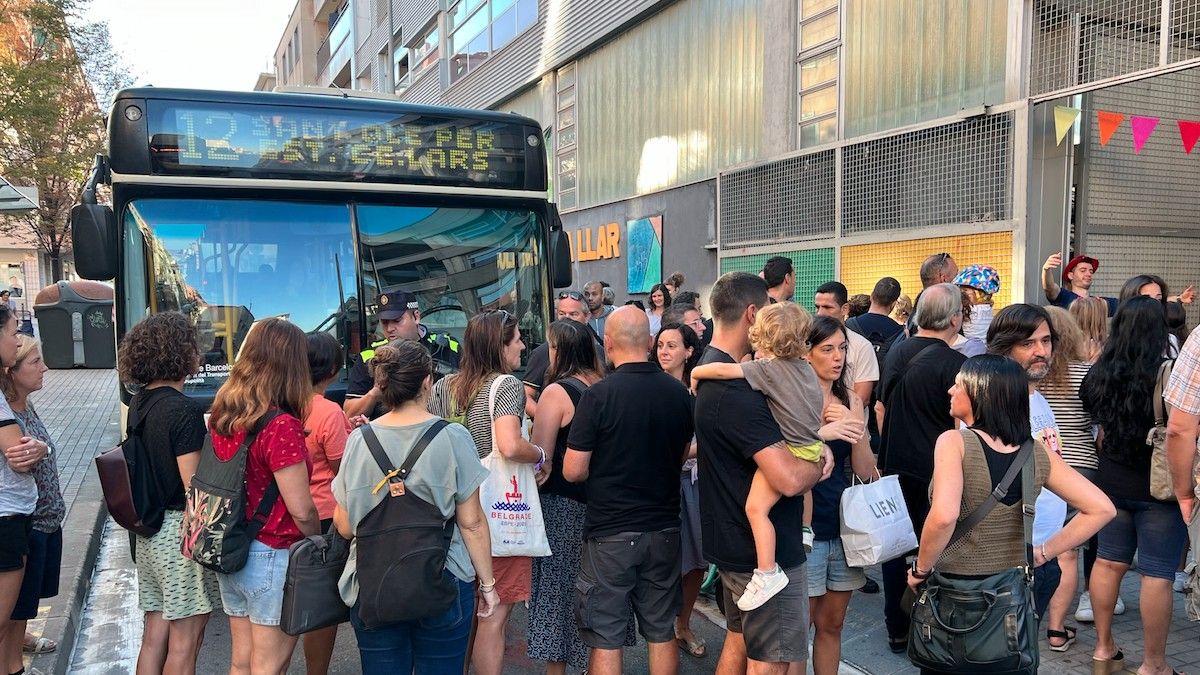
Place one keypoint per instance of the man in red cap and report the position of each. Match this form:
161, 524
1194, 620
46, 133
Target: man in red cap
1077, 279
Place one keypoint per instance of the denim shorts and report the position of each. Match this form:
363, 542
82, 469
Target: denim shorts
828, 571
256, 590
1154, 530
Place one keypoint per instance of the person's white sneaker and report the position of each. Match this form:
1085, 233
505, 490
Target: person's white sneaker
762, 587
808, 537
1120, 608
1180, 582
1083, 613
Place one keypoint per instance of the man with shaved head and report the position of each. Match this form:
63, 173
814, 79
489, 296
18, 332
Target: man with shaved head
628, 440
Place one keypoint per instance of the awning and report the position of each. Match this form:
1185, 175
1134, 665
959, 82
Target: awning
16, 200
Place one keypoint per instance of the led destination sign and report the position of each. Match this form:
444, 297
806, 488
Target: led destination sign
262, 141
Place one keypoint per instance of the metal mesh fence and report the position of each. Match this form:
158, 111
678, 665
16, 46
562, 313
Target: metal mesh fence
813, 267
1185, 30
955, 173
1080, 41
1122, 256
787, 200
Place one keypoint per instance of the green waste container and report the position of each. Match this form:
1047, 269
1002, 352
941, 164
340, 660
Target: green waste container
75, 319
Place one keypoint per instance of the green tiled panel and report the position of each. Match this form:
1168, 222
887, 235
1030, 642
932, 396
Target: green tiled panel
813, 268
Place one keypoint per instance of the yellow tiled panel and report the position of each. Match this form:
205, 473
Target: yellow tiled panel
864, 265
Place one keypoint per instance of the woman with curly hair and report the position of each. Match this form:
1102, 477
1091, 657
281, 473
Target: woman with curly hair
1118, 393
175, 594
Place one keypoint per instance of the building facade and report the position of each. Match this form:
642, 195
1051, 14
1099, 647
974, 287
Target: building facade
855, 136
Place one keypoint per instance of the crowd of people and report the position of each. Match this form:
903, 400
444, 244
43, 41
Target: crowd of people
660, 442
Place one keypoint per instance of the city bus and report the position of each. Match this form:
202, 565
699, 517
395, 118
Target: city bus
235, 207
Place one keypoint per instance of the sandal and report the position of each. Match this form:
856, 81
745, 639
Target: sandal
1067, 634
1113, 664
696, 647
39, 646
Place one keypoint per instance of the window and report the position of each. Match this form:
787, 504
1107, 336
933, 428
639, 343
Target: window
566, 165
400, 74
818, 73
480, 27
425, 52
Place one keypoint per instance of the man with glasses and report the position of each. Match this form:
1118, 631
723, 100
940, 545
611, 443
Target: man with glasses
568, 305
399, 318
598, 311
687, 315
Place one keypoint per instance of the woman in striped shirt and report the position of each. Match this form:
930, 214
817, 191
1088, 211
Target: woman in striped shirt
1061, 388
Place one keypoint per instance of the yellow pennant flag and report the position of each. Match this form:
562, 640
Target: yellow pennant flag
1064, 119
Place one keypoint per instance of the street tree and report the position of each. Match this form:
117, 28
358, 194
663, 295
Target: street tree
57, 75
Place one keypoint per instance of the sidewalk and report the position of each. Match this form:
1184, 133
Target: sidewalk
864, 638
80, 410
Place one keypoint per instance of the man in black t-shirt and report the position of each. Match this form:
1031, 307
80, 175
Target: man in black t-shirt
737, 436
628, 440
915, 409
568, 305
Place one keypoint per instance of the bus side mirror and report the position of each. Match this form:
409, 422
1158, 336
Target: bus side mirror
560, 252
94, 239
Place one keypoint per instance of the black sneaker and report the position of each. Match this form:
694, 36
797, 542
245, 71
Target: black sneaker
871, 587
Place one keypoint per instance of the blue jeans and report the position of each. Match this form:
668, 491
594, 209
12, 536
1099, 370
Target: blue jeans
436, 645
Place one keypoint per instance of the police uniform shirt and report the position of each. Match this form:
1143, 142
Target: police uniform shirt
442, 348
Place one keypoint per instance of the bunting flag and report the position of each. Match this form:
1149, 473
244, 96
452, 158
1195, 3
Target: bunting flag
1109, 121
1142, 128
1064, 119
1189, 131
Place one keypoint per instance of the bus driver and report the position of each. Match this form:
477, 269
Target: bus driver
399, 318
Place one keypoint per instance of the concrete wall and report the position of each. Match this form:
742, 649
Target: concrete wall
689, 224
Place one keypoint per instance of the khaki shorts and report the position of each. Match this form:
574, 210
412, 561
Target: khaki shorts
168, 582
777, 632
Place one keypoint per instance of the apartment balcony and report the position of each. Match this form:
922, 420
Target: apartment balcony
333, 56
323, 8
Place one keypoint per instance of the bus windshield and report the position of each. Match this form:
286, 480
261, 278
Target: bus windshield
228, 263
458, 261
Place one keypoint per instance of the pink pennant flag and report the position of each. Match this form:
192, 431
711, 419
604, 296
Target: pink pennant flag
1142, 128
1189, 132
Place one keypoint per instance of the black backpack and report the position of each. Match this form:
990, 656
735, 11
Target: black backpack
216, 532
879, 341
131, 490
401, 546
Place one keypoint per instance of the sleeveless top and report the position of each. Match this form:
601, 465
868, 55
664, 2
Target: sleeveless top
556, 484
998, 542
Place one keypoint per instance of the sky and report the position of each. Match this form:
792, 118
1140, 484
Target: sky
202, 44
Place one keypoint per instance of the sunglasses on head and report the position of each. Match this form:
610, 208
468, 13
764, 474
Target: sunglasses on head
574, 295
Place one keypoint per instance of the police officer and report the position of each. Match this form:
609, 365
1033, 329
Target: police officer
399, 318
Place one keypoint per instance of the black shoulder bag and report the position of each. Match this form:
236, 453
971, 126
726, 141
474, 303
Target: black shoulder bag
981, 625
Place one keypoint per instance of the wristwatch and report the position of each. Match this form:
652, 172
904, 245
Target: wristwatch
916, 571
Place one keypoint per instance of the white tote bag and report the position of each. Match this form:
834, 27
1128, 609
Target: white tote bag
510, 499
875, 523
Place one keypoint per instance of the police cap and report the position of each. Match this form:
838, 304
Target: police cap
394, 304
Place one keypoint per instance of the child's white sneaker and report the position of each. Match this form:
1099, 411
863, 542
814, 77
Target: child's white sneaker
807, 534
762, 587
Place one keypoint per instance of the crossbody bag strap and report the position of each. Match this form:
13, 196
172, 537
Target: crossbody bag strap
1160, 384
271, 494
1028, 508
132, 428
964, 527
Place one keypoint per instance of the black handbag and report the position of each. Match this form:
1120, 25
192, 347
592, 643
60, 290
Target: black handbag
311, 599
981, 625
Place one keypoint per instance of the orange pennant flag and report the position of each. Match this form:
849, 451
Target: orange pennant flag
1109, 121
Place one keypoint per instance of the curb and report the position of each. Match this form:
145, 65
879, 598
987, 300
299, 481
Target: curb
81, 545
